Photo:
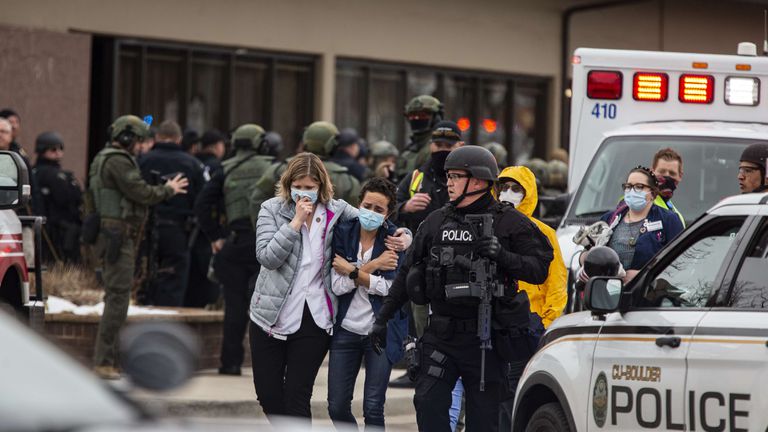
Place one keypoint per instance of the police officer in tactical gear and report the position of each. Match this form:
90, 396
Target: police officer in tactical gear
321, 139
119, 198
465, 262
347, 152
234, 245
382, 157
422, 113
174, 218
60, 200
752, 168
212, 150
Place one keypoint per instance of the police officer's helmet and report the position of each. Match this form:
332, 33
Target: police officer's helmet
498, 151
247, 136
321, 138
48, 141
558, 174
424, 104
127, 129
757, 154
540, 169
384, 149
477, 161
601, 261
271, 144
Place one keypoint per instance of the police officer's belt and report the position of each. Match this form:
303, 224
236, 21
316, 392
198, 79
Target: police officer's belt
459, 325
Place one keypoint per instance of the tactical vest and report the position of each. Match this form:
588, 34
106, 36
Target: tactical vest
110, 203
342, 181
240, 176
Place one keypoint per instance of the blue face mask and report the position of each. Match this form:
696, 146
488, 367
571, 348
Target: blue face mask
635, 200
297, 194
370, 220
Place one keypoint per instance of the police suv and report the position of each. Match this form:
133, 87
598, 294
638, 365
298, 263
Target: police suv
627, 105
683, 346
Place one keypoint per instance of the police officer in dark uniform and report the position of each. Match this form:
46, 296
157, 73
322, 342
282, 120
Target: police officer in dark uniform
212, 150
454, 246
174, 217
60, 200
234, 245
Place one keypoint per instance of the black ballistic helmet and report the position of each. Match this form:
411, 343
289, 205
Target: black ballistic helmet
48, 141
477, 161
757, 154
601, 261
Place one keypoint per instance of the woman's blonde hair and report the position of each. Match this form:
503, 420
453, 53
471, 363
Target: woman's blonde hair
305, 165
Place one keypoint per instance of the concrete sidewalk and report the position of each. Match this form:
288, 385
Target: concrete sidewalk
209, 394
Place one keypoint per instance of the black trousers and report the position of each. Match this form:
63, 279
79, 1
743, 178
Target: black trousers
235, 267
447, 355
169, 286
284, 371
200, 290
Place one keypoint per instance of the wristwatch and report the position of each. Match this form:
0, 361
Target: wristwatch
354, 273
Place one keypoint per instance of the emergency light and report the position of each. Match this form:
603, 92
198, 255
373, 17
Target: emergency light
604, 84
650, 87
697, 88
742, 91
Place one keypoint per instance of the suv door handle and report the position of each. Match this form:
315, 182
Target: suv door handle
670, 341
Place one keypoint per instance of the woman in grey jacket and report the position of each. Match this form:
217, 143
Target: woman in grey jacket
293, 308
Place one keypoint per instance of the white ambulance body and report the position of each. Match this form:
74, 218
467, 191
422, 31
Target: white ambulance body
627, 105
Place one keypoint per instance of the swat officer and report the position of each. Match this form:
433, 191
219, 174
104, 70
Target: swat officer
60, 200
234, 245
322, 139
449, 246
752, 168
119, 198
422, 113
174, 218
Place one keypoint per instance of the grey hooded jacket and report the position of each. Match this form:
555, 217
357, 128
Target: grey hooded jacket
279, 249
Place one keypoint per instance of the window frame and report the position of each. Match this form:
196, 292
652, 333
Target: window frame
758, 222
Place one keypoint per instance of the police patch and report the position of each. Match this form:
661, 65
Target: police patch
600, 400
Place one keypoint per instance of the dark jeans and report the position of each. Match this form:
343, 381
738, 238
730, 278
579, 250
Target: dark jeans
284, 371
348, 352
235, 266
435, 382
170, 285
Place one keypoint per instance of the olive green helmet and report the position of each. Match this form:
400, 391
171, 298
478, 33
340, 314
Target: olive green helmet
540, 169
558, 174
383, 149
320, 138
126, 129
247, 136
498, 151
421, 104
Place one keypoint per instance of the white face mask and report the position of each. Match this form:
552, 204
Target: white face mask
515, 198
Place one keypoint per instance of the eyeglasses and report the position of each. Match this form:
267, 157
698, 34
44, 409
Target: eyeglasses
503, 187
745, 170
637, 187
455, 176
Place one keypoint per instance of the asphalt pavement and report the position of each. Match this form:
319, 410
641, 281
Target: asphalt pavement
209, 395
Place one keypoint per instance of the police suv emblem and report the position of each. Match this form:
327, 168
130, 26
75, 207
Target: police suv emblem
600, 400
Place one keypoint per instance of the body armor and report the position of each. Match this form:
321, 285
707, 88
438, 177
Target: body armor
241, 174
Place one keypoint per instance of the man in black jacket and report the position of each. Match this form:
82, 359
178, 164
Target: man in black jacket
447, 245
173, 218
60, 200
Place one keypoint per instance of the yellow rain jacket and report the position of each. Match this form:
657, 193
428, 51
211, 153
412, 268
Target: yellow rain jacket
548, 299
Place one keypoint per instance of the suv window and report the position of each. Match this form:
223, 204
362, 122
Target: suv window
750, 291
688, 280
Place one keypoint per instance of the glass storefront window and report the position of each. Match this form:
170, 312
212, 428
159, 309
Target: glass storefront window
293, 104
459, 101
524, 127
249, 97
205, 109
350, 97
493, 112
385, 107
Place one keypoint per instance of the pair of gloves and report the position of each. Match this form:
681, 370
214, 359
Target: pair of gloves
488, 247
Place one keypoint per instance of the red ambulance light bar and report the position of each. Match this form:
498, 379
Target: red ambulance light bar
697, 89
650, 87
604, 84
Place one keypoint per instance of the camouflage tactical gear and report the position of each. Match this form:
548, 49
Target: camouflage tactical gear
320, 138
540, 169
384, 149
108, 201
558, 174
128, 124
248, 136
498, 151
424, 103
241, 174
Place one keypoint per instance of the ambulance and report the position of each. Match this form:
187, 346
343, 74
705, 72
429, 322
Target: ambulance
682, 347
627, 105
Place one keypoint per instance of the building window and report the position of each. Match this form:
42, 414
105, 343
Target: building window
202, 87
508, 109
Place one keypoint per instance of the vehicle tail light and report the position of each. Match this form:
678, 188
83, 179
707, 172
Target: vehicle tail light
697, 88
651, 87
742, 91
604, 84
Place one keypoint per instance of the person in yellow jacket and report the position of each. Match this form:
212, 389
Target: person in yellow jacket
517, 185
